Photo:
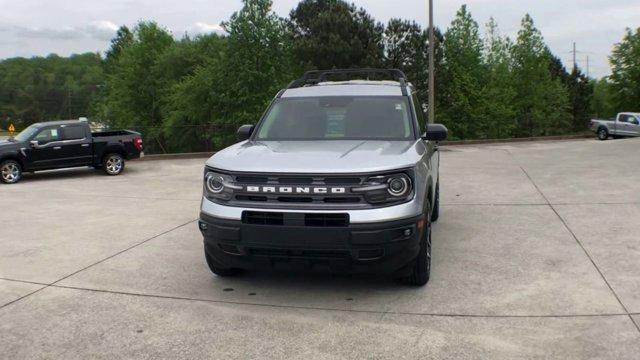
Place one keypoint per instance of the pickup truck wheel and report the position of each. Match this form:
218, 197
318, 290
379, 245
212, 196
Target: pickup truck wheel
11, 171
421, 271
603, 134
217, 270
113, 164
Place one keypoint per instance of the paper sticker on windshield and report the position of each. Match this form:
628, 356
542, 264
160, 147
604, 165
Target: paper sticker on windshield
399, 107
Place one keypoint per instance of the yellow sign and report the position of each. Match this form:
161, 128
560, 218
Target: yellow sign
12, 129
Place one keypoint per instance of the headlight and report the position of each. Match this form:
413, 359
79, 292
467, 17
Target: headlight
387, 188
399, 185
218, 186
214, 183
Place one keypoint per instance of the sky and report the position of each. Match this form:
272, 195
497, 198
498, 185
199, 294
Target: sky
38, 28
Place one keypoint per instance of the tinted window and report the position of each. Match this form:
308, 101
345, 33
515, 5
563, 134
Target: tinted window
48, 135
338, 118
27, 133
74, 132
624, 118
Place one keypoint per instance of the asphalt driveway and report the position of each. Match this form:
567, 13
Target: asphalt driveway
536, 255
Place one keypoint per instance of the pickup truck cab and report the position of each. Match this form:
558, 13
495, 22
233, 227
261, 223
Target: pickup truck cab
625, 124
340, 174
66, 144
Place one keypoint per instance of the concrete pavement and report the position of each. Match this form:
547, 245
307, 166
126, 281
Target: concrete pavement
536, 255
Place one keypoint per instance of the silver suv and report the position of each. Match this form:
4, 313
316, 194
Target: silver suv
340, 174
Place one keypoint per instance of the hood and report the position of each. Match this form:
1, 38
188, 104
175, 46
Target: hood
5, 144
318, 157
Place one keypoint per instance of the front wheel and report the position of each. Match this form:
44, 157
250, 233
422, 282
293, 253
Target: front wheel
421, 267
113, 164
11, 171
435, 214
603, 134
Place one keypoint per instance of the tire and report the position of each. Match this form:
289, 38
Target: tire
113, 164
217, 270
603, 134
10, 171
435, 214
421, 268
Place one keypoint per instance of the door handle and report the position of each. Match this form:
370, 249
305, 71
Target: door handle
85, 145
57, 148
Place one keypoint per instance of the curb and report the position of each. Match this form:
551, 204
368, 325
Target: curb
518, 140
186, 156
206, 155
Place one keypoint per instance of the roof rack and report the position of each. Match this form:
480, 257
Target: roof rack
315, 77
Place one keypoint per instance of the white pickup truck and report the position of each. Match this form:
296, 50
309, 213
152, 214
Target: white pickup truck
625, 124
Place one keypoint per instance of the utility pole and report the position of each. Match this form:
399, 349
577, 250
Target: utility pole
432, 75
587, 66
69, 101
575, 64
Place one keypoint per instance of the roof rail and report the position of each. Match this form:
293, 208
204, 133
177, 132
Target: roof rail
315, 77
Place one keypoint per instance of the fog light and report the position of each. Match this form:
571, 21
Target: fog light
203, 226
408, 232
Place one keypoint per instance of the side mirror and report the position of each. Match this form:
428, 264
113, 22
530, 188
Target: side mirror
435, 132
245, 131
34, 144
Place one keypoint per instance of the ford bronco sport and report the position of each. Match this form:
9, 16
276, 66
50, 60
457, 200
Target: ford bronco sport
340, 173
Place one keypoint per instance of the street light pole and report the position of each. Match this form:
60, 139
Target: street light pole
432, 75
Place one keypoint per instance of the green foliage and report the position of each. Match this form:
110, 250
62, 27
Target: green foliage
190, 94
603, 104
580, 97
541, 101
463, 75
498, 108
407, 49
50, 88
331, 34
236, 84
625, 77
260, 65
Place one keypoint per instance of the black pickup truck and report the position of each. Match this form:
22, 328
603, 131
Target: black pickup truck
66, 144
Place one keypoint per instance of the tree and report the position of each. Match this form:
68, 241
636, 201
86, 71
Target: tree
124, 38
189, 105
334, 34
463, 76
603, 105
234, 88
498, 110
134, 91
541, 101
625, 72
407, 48
51, 88
580, 95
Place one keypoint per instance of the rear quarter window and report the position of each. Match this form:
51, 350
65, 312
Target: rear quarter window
74, 133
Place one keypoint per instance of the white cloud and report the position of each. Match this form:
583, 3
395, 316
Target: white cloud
204, 28
98, 30
101, 30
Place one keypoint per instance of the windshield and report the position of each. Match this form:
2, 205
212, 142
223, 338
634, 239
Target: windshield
27, 133
338, 118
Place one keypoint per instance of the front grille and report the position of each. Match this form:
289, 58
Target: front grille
311, 200
326, 220
294, 219
300, 254
262, 218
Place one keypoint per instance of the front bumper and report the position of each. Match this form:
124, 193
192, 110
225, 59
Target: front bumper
378, 248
